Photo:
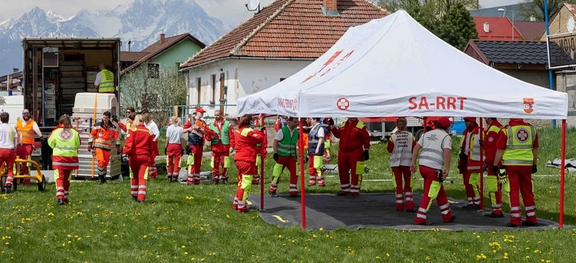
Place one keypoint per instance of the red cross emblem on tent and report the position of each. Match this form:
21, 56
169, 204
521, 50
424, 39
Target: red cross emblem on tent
522, 135
343, 104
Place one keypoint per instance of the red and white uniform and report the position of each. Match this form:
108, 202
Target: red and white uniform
246, 140
431, 161
220, 151
354, 139
520, 178
174, 136
139, 146
202, 128
400, 145
490, 140
8, 139
102, 139
472, 189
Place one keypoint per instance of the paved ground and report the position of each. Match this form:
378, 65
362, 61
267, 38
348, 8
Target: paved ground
373, 211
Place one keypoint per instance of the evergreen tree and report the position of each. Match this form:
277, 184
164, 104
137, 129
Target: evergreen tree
457, 27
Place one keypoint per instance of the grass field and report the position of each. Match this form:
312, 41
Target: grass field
192, 224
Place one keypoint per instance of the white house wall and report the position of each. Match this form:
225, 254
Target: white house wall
243, 77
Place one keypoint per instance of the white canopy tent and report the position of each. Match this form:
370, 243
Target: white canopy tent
395, 67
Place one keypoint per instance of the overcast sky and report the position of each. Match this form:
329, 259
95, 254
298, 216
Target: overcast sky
229, 11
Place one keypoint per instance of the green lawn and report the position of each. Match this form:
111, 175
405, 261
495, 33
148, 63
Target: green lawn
191, 224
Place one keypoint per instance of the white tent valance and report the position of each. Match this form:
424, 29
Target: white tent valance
395, 67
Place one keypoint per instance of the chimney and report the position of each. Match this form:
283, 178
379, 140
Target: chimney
15, 70
162, 38
331, 5
486, 27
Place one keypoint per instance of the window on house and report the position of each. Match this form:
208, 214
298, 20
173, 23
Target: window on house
213, 97
198, 89
153, 70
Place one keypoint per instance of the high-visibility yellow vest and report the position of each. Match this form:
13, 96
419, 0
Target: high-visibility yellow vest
65, 142
107, 82
519, 145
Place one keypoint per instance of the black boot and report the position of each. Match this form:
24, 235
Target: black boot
8, 189
60, 202
135, 198
102, 178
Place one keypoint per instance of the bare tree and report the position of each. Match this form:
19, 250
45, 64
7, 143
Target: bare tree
166, 89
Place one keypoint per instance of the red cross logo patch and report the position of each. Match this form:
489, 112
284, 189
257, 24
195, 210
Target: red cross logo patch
342, 104
522, 135
65, 135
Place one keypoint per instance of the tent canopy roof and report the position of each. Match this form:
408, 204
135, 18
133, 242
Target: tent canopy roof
395, 67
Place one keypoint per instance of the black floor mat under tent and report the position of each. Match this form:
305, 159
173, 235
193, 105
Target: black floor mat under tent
373, 211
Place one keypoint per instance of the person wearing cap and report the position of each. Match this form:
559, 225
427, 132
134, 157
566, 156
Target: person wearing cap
26, 128
246, 140
221, 147
494, 188
469, 163
197, 130
434, 166
353, 151
517, 148
400, 145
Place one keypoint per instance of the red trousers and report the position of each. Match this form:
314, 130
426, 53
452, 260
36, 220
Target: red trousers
429, 176
285, 162
139, 165
174, 151
347, 162
315, 174
520, 178
403, 172
8, 156
23, 151
197, 152
495, 197
219, 152
245, 170
62, 178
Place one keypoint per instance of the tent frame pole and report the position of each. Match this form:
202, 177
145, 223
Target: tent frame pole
562, 174
262, 167
302, 184
481, 134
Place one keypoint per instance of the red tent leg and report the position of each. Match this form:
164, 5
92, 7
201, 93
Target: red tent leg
562, 174
302, 184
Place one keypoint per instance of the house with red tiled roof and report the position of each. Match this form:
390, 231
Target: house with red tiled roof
496, 28
165, 54
278, 41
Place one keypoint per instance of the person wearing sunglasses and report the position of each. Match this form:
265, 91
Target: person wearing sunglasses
26, 128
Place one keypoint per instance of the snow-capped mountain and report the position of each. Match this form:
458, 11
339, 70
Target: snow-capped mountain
139, 21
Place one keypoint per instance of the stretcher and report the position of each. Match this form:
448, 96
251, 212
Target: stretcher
19, 178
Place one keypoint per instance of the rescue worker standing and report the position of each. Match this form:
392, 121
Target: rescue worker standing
353, 151
517, 148
174, 135
26, 128
8, 139
130, 114
221, 146
470, 164
494, 188
436, 146
138, 146
65, 142
104, 82
102, 139
400, 145
246, 150
197, 130
153, 128
316, 152
284, 147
